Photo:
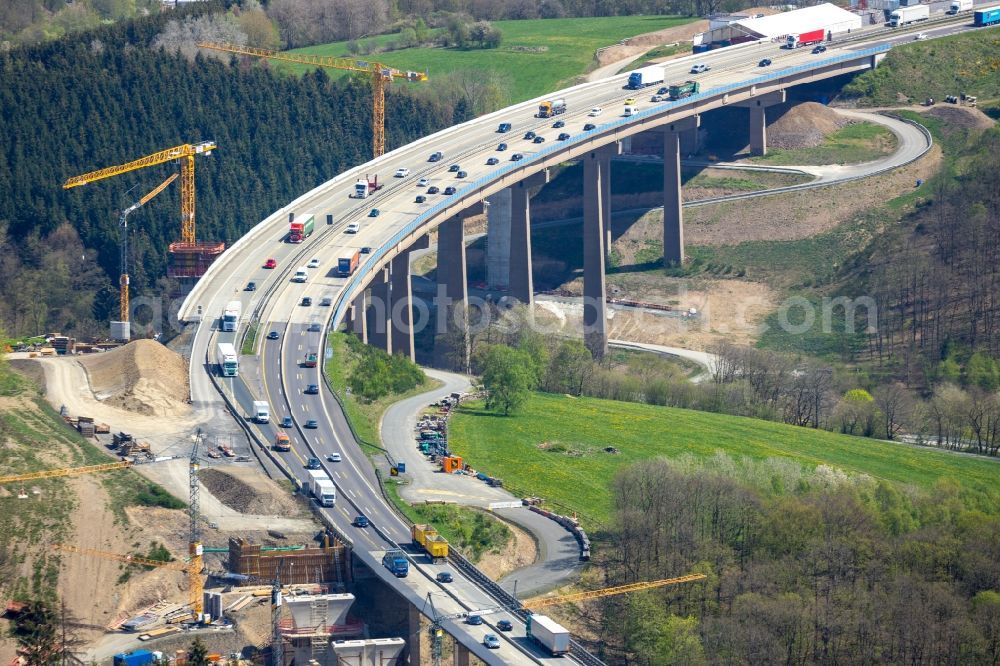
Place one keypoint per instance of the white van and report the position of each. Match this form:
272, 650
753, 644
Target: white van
301, 274
631, 110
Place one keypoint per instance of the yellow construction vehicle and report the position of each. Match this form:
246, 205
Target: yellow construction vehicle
381, 75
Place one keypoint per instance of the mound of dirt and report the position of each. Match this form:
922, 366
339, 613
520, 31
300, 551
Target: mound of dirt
245, 497
142, 376
803, 126
962, 117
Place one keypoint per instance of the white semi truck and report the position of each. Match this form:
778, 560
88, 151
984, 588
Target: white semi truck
231, 316
229, 362
907, 15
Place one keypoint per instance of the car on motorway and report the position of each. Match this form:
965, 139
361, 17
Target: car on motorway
313, 263
501, 147
366, 249
307, 301
420, 198
461, 174
516, 157
333, 457
766, 62
453, 168
423, 182
286, 422
353, 228
539, 139
271, 263
588, 127
493, 160
819, 49
699, 68
374, 212
436, 156
596, 111
474, 619
311, 389
631, 101
529, 135
491, 641
505, 625
360, 521
433, 189
444, 577
273, 335
559, 123
449, 190
313, 463
503, 128
251, 286
563, 136
920, 35
311, 424
663, 91
327, 301
655, 98
315, 327
402, 172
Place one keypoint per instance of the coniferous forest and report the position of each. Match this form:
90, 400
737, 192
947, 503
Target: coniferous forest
104, 97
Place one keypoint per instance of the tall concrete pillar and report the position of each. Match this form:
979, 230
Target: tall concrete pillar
605, 157
498, 221
690, 142
461, 655
379, 329
595, 317
453, 316
359, 318
522, 285
401, 302
415, 634
673, 202
758, 118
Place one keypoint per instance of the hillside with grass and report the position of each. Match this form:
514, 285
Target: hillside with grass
535, 56
555, 448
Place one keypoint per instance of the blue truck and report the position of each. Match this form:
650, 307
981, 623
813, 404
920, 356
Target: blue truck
986, 16
136, 658
396, 562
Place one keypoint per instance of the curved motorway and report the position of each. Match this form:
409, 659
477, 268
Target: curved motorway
277, 377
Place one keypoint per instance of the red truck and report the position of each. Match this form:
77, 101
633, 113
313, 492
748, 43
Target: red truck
302, 228
795, 40
310, 361
347, 265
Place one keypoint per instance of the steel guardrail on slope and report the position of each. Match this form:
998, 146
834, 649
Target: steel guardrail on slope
420, 220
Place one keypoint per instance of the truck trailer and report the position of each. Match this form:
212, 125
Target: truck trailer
986, 16
325, 492
959, 6
137, 658
645, 77
549, 633
907, 15
681, 90
231, 316
229, 362
347, 265
302, 228
364, 187
396, 562
795, 40
261, 411
550, 108
435, 545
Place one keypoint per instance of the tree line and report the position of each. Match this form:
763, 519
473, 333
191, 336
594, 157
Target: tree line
803, 567
105, 97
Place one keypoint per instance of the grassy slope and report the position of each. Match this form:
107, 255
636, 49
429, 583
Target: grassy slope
968, 63
851, 144
569, 50
508, 448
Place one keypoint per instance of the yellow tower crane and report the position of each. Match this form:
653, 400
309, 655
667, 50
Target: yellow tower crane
381, 75
185, 154
542, 602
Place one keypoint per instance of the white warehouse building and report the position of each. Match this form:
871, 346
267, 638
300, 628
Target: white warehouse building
776, 27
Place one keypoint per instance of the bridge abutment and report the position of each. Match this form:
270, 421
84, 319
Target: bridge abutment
461, 655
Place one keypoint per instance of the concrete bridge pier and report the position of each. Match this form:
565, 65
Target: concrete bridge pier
377, 316
595, 315
413, 642
453, 315
522, 286
673, 201
498, 221
401, 302
359, 320
461, 655
758, 119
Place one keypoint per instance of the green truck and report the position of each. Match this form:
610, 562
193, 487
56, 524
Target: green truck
681, 90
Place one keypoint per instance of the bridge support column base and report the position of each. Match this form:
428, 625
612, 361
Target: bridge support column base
414, 633
673, 200
453, 344
377, 316
461, 655
595, 316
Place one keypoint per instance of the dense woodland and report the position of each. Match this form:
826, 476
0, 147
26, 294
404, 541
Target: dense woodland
804, 567
103, 97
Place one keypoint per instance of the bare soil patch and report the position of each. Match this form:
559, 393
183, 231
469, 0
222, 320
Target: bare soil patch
142, 376
520, 551
249, 493
961, 117
634, 46
799, 214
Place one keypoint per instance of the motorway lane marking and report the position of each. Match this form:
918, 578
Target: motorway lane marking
351, 490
